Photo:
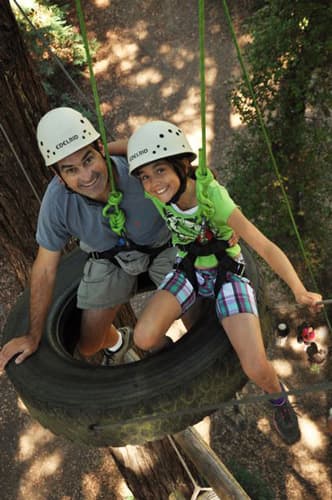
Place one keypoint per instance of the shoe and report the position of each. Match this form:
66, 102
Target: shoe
286, 423
116, 358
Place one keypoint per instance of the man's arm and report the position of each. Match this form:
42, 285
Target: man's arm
43, 275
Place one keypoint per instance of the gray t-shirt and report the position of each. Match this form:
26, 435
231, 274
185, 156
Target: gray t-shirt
64, 214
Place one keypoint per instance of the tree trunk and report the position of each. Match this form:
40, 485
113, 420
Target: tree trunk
23, 102
153, 471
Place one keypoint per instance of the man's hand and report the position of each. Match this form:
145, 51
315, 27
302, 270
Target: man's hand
23, 346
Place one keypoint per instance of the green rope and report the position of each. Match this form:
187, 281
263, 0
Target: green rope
268, 142
201, 22
112, 211
203, 174
272, 157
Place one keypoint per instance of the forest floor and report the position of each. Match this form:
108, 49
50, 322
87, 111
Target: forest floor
147, 68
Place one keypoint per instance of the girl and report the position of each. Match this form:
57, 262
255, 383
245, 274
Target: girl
202, 216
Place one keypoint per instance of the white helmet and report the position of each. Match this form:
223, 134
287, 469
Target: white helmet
63, 131
156, 140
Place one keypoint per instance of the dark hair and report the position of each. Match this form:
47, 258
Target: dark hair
176, 161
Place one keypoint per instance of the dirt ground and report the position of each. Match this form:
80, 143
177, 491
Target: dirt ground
147, 68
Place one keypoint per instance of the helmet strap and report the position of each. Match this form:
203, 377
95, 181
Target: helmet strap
180, 191
181, 170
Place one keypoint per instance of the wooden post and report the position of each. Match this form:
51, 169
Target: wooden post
209, 465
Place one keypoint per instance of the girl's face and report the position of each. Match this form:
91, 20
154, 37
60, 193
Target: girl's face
159, 179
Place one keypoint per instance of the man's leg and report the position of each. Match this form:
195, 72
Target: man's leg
103, 288
97, 330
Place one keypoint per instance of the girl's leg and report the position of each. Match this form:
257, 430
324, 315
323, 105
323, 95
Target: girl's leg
157, 317
243, 329
174, 298
244, 333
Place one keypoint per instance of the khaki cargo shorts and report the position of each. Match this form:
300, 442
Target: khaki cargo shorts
105, 285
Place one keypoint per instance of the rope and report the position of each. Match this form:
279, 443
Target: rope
208, 409
267, 140
112, 210
55, 57
25, 173
197, 488
203, 174
270, 152
201, 22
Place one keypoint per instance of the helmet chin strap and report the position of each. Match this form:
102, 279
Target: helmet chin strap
180, 191
181, 173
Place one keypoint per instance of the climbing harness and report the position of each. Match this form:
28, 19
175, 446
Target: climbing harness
203, 175
127, 245
206, 243
216, 247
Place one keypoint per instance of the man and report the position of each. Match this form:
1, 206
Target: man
72, 207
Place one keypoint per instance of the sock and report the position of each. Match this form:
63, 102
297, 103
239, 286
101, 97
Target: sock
279, 401
117, 345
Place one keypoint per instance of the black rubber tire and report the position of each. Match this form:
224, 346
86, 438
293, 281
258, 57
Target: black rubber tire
102, 406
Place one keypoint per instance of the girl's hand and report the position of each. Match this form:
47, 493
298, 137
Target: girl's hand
233, 240
310, 299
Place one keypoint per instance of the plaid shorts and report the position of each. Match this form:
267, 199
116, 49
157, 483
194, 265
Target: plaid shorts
235, 296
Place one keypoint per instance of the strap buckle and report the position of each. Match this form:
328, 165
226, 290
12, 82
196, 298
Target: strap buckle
94, 255
240, 269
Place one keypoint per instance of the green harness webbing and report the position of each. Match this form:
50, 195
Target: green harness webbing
112, 210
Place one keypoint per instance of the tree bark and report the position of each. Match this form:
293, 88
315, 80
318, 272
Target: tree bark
153, 471
23, 102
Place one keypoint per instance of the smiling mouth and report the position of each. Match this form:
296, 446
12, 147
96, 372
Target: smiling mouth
161, 191
90, 184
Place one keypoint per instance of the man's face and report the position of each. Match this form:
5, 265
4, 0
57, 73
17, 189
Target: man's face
86, 173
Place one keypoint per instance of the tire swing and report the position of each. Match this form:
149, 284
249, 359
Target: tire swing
126, 404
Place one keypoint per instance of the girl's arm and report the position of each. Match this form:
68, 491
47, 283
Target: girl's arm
274, 256
118, 148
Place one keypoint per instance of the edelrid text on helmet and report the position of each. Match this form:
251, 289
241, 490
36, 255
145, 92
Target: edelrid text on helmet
154, 141
66, 142
62, 132
138, 154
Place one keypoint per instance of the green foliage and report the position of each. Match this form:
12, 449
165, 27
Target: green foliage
290, 56
256, 189
46, 31
289, 59
251, 482
254, 185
